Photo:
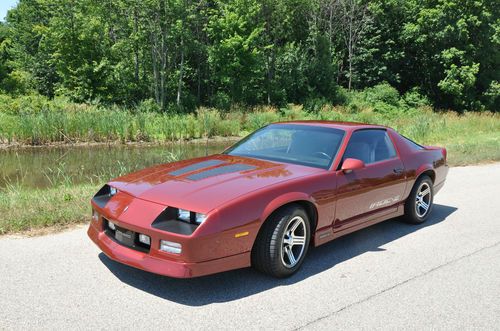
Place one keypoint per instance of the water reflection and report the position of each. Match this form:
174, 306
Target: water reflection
44, 167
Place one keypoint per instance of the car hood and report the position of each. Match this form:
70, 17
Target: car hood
203, 184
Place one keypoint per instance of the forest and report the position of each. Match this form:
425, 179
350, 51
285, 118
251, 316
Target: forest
177, 55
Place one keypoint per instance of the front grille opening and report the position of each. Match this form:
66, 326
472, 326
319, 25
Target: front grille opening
125, 237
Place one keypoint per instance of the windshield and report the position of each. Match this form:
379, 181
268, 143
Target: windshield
312, 146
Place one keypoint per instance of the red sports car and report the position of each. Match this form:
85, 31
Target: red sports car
265, 200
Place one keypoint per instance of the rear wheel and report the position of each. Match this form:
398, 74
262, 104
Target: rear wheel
419, 203
282, 243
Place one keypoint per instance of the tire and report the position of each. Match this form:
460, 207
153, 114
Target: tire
271, 253
421, 194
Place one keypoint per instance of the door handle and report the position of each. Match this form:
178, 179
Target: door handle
398, 170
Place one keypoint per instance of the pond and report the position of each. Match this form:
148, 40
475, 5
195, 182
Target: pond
49, 166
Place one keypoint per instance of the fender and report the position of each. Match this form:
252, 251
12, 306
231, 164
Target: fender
411, 181
423, 168
283, 200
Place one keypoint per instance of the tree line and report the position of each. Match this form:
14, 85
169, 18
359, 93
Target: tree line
180, 54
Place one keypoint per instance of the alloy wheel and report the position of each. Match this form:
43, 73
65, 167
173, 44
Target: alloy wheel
293, 242
423, 200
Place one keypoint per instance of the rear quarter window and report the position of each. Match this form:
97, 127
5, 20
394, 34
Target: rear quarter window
413, 145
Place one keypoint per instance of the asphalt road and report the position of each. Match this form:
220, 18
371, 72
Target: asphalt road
441, 275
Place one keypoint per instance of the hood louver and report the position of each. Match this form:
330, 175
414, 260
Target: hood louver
196, 166
220, 171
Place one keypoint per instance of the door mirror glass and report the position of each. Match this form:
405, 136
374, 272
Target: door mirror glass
352, 164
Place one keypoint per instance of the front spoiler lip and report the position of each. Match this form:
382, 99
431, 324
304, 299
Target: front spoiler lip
165, 267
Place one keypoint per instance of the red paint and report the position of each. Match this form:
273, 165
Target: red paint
352, 164
343, 201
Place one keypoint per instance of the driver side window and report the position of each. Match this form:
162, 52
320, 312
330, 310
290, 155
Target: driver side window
369, 146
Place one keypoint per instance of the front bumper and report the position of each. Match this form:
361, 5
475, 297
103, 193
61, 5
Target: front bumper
160, 265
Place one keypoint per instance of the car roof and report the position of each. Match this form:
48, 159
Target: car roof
346, 126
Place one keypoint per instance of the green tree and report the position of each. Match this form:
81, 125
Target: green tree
236, 55
455, 50
181, 54
30, 60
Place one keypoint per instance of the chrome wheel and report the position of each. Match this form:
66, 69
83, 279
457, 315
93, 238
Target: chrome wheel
423, 200
293, 242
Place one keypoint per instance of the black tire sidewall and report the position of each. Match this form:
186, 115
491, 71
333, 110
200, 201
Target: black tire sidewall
268, 244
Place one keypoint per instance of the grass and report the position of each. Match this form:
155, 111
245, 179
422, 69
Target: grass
112, 125
469, 138
28, 209
24, 209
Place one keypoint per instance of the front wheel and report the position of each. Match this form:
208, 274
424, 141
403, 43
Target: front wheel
419, 203
282, 243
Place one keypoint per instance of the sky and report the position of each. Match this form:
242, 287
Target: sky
5, 5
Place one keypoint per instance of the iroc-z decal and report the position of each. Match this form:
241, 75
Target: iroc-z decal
385, 202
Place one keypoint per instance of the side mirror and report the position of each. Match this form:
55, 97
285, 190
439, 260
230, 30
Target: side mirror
352, 164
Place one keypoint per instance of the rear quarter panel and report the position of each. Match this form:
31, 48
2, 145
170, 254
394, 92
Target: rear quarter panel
418, 161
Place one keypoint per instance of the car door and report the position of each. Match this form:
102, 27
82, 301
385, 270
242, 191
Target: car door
375, 190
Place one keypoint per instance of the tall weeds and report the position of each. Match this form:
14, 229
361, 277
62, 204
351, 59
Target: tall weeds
32, 120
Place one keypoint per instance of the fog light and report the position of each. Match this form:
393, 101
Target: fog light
111, 225
170, 247
95, 215
144, 239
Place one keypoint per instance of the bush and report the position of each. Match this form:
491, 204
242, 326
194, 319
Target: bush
294, 112
257, 120
387, 109
222, 101
315, 104
208, 119
413, 99
341, 96
148, 106
35, 103
383, 92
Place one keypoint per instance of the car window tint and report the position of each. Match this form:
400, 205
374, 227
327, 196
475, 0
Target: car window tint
412, 144
314, 146
370, 146
267, 139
